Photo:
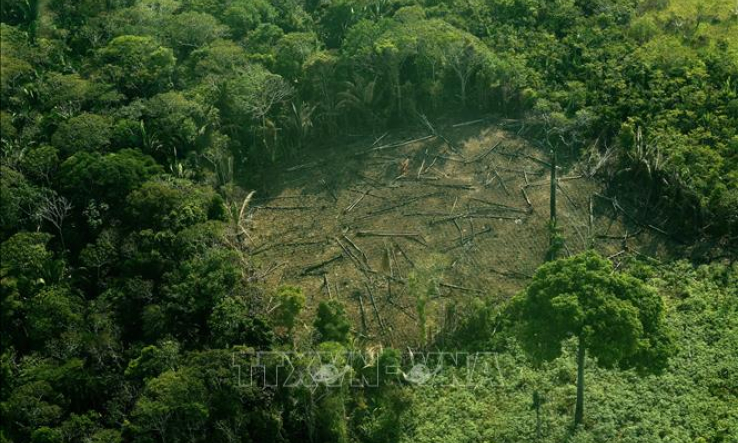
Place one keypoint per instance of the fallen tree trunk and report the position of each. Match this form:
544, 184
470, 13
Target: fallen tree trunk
287, 208
411, 235
483, 155
466, 240
398, 205
499, 205
472, 215
394, 145
460, 288
311, 268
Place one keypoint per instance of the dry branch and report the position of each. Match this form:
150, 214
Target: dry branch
482, 155
350, 207
357, 248
620, 237
305, 166
466, 240
566, 194
472, 215
525, 194
327, 286
373, 181
446, 157
316, 266
461, 233
402, 309
524, 155
411, 235
374, 306
285, 245
282, 197
379, 139
424, 214
398, 205
402, 251
460, 288
619, 208
469, 123
498, 205
267, 272
361, 266
286, 208
361, 310
453, 186
394, 145
547, 182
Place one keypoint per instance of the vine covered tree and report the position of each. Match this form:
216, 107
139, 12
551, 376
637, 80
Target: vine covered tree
614, 317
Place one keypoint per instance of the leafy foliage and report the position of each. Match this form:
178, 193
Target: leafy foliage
616, 317
128, 294
331, 323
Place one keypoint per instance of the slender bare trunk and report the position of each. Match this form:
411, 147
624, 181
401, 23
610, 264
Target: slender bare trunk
553, 187
579, 410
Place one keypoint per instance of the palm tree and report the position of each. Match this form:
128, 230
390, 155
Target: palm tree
360, 97
299, 122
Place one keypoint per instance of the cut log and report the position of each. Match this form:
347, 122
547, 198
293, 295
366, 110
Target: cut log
374, 307
472, 215
402, 309
316, 266
394, 145
288, 208
379, 139
360, 265
469, 123
305, 166
566, 194
411, 235
498, 205
465, 187
398, 205
499, 178
460, 288
466, 240
350, 207
402, 251
366, 261
525, 195
362, 312
483, 155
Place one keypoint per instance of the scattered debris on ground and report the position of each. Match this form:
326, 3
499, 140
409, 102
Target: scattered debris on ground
354, 223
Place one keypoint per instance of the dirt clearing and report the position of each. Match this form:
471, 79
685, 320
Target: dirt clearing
353, 222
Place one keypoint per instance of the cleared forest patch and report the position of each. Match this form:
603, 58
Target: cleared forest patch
352, 223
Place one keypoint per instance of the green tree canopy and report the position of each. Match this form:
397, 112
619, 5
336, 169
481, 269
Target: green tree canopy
137, 65
290, 301
107, 178
173, 204
85, 132
615, 317
331, 322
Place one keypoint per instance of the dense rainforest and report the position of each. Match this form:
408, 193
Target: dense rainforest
133, 133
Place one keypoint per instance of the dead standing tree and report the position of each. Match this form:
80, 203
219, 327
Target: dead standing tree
555, 240
54, 209
465, 57
554, 182
256, 93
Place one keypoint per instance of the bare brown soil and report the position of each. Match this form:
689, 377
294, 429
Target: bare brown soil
352, 222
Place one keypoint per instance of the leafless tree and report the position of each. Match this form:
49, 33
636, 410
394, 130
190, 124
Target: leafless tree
262, 92
54, 209
465, 58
